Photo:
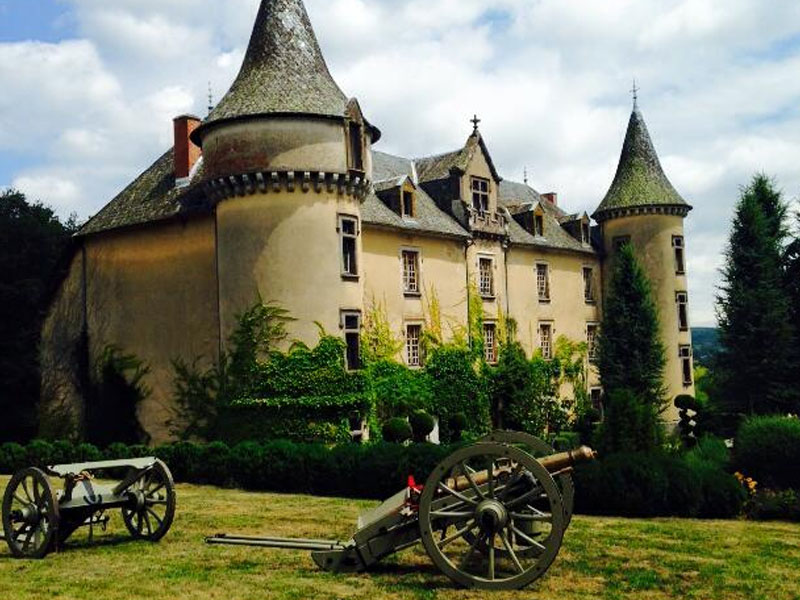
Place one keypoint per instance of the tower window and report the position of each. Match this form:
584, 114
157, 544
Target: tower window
620, 241
543, 282
480, 194
413, 345
685, 354
486, 277
490, 342
407, 205
356, 135
410, 271
680, 259
348, 237
588, 285
591, 341
351, 325
682, 299
546, 340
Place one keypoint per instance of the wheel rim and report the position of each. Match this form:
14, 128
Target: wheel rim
151, 510
30, 514
462, 507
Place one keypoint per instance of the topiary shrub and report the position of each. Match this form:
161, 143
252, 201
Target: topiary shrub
687, 424
422, 424
768, 450
458, 424
397, 430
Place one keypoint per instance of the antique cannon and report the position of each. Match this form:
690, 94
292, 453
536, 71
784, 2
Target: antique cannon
491, 515
37, 520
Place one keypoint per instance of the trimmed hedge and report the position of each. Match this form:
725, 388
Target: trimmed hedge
768, 450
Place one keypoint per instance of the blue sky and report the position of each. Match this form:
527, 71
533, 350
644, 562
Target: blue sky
89, 89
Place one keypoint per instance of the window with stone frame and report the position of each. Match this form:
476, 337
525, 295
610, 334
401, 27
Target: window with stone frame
588, 285
685, 354
414, 345
591, 341
546, 340
411, 271
480, 194
490, 342
486, 277
543, 282
682, 300
680, 255
351, 326
348, 238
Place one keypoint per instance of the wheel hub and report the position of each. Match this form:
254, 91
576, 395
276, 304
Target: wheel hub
491, 516
29, 514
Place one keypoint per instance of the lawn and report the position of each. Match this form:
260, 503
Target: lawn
601, 558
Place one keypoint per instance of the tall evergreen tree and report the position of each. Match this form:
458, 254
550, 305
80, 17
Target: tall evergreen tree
754, 370
631, 354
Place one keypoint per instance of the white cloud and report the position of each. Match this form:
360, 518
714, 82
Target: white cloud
550, 80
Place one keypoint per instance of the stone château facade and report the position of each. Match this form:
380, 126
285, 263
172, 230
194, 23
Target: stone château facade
279, 194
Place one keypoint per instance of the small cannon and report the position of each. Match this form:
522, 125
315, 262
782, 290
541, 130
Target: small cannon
37, 520
491, 515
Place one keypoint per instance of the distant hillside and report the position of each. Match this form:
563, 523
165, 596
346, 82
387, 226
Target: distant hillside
705, 341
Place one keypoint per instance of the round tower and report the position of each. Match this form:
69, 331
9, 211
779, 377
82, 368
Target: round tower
643, 208
287, 159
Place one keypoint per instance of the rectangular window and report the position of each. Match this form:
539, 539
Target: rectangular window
620, 241
596, 396
486, 277
490, 342
543, 282
585, 233
685, 353
680, 261
682, 299
413, 345
356, 147
538, 221
411, 272
351, 325
588, 284
480, 194
591, 341
348, 235
408, 205
546, 340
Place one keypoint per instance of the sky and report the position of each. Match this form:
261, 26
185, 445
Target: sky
88, 90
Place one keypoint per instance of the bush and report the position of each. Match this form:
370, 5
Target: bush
397, 430
768, 450
422, 424
39, 453
12, 458
768, 505
399, 390
631, 424
566, 440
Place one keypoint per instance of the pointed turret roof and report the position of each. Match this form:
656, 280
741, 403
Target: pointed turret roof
640, 181
283, 71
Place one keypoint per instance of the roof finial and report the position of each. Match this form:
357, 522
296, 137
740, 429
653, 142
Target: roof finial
210, 99
635, 92
475, 122
525, 176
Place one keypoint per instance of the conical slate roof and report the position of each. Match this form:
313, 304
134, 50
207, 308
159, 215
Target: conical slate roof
283, 71
640, 181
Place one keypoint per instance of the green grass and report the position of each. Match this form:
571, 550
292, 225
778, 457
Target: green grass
601, 558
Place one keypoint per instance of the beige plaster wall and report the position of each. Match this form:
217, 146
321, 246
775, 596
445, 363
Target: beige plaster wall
153, 292
651, 236
479, 167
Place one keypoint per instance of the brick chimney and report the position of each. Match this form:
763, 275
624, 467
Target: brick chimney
186, 153
551, 197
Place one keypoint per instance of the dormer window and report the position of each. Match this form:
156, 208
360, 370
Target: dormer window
538, 225
480, 195
407, 204
585, 233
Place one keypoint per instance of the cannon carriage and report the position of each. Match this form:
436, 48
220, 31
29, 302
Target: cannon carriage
37, 519
492, 515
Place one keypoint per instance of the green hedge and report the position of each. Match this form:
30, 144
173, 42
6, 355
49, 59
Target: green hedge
768, 450
323, 419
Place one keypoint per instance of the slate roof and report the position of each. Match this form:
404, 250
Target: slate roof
151, 197
640, 180
431, 168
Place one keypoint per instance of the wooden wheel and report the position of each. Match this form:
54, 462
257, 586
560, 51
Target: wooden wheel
152, 504
30, 515
473, 511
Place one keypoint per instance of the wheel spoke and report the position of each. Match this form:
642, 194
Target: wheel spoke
37, 495
155, 502
25, 489
511, 552
491, 557
538, 518
156, 517
458, 495
139, 522
451, 514
525, 497
460, 533
28, 539
153, 492
147, 522
491, 478
528, 539
16, 535
468, 475
474, 546
20, 500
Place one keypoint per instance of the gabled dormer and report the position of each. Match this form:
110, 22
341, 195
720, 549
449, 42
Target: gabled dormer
400, 195
531, 217
579, 226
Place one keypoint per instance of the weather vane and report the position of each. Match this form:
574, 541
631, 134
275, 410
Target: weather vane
210, 99
635, 92
525, 176
475, 122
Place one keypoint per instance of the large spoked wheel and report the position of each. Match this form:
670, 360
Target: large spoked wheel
152, 504
539, 448
30, 515
474, 511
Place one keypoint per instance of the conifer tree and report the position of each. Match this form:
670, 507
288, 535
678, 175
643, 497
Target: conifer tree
754, 370
631, 355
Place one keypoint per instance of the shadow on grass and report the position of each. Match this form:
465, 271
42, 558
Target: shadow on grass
106, 541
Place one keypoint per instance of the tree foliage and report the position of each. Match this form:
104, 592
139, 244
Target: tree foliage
755, 372
33, 240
